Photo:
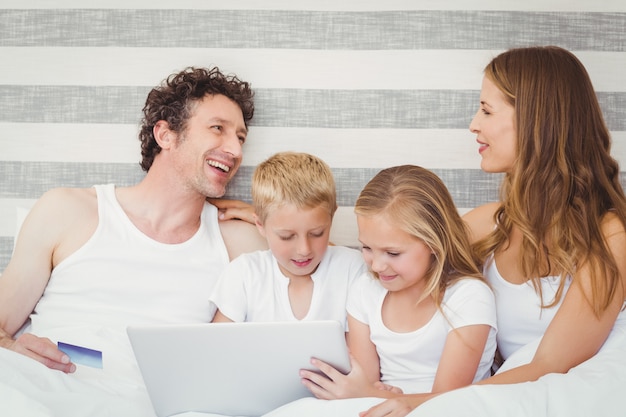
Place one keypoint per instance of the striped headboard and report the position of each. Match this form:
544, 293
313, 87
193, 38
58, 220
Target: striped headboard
364, 84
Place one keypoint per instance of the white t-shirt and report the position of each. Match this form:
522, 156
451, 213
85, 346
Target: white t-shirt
410, 360
521, 319
252, 288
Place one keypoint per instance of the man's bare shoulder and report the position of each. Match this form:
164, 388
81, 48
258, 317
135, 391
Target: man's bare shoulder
241, 237
65, 203
481, 220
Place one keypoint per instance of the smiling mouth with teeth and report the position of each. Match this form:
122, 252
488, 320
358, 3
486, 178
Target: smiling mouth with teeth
219, 166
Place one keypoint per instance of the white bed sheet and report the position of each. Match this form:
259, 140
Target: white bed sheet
595, 388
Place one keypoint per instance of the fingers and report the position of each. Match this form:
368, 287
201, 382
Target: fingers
233, 209
389, 408
43, 350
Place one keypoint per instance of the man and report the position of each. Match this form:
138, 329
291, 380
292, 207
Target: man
89, 262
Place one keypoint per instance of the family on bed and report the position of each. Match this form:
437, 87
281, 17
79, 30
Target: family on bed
425, 302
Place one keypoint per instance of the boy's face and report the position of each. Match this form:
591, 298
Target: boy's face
298, 238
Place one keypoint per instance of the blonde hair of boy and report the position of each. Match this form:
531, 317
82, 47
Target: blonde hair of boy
417, 201
301, 179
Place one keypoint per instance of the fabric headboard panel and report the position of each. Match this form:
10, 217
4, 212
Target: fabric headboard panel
364, 84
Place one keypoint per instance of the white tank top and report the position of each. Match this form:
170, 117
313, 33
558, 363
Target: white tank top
121, 277
521, 319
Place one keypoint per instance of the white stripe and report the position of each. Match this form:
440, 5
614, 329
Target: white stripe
12, 213
368, 148
331, 5
59, 142
277, 68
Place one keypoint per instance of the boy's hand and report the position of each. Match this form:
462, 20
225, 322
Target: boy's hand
233, 209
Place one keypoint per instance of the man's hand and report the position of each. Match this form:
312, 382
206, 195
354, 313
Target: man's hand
40, 349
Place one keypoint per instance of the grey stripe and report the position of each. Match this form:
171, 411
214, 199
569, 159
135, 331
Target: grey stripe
469, 187
6, 249
420, 29
407, 109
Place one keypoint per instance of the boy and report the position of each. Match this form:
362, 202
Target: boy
300, 277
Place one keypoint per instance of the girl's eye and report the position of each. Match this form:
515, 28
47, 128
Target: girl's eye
285, 237
365, 248
320, 234
485, 112
216, 127
242, 139
393, 253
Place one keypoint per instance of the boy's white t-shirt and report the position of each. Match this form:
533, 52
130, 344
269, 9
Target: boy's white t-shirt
252, 287
410, 360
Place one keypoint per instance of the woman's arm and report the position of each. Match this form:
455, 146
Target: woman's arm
576, 333
480, 221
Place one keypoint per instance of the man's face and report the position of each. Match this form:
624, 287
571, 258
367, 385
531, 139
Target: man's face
209, 151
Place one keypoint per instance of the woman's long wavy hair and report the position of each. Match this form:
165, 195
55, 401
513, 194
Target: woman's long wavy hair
564, 180
418, 202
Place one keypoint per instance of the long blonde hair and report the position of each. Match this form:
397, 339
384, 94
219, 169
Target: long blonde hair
418, 202
564, 180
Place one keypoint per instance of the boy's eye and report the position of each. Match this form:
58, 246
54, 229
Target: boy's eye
285, 237
216, 127
393, 253
242, 139
319, 234
365, 248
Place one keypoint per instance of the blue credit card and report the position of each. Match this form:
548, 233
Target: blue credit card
82, 355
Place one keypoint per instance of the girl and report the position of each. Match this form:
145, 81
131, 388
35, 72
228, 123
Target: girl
424, 320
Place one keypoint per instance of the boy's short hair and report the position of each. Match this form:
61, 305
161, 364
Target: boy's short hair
301, 179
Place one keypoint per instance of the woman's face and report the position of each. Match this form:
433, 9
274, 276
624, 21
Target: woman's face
494, 126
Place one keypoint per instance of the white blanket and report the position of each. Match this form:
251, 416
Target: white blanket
595, 388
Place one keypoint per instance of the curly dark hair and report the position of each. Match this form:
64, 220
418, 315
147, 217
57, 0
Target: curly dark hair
173, 101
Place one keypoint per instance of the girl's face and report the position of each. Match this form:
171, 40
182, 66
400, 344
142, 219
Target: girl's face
400, 260
494, 126
298, 238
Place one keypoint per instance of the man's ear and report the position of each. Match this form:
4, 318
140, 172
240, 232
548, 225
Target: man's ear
163, 135
259, 225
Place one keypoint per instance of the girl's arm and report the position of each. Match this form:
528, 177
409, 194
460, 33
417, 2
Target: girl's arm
361, 379
461, 356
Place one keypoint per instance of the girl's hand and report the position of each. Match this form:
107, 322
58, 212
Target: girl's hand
332, 384
394, 407
386, 387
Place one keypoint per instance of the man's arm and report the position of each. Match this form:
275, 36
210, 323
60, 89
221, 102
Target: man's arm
48, 234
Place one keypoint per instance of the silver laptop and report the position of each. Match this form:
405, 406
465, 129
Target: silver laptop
235, 369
